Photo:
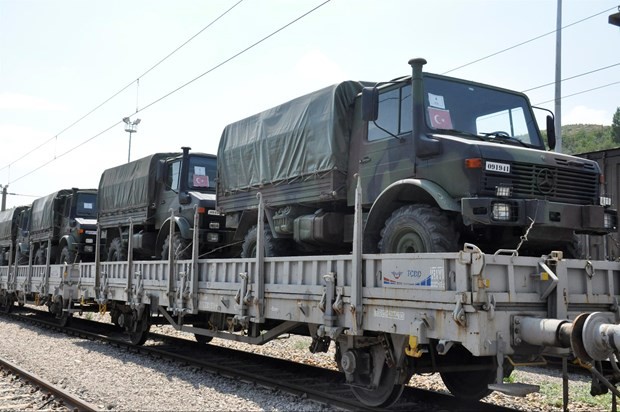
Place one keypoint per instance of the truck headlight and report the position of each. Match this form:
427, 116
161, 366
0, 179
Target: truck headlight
89, 249
605, 201
501, 211
214, 225
608, 221
213, 237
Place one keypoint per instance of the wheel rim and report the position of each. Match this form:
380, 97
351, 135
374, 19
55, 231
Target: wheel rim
408, 241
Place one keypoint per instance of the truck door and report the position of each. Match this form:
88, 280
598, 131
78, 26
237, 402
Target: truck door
168, 194
386, 150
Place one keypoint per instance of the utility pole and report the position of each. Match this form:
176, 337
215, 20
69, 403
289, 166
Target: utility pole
4, 188
558, 80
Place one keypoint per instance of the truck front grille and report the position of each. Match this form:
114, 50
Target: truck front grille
575, 185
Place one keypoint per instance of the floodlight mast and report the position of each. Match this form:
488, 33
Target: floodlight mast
130, 127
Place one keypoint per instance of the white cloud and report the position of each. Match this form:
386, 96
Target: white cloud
584, 115
15, 101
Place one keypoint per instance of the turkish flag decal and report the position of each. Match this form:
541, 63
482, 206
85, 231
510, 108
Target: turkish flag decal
201, 181
440, 119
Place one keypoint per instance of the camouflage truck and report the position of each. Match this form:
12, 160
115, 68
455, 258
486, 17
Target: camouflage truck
63, 221
440, 161
145, 191
9, 221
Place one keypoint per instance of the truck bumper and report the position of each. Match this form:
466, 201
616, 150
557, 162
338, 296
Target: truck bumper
587, 219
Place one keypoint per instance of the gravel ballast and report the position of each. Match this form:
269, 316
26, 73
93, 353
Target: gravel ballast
114, 379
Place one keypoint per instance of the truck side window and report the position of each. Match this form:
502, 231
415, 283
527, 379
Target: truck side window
394, 114
174, 169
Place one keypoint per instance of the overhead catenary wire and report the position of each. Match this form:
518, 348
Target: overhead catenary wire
526, 42
572, 77
178, 88
136, 81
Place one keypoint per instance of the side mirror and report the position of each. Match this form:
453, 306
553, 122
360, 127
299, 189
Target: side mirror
370, 104
550, 132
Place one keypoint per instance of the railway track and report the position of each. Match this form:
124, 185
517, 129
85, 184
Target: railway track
22, 391
324, 386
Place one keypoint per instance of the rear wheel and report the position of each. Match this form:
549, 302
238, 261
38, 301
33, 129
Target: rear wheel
116, 251
273, 247
180, 246
418, 229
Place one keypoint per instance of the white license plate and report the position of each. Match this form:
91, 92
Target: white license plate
497, 167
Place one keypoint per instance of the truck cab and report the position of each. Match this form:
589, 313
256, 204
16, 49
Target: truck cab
468, 158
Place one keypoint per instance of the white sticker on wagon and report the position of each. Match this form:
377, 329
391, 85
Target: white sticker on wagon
413, 274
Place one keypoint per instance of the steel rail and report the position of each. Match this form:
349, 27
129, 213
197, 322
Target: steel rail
70, 401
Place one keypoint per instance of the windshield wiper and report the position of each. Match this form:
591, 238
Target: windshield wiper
458, 132
504, 136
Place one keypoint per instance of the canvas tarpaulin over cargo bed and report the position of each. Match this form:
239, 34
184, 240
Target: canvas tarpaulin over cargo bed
129, 187
305, 136
43, 212
7, 217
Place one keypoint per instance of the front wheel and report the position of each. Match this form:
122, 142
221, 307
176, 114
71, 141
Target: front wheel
67, 256
418, 229
180, 247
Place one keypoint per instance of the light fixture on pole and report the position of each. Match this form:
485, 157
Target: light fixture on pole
130, 127
615, 18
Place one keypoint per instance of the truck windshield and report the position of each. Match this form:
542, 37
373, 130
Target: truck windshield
86, 205
480, 111
201, 175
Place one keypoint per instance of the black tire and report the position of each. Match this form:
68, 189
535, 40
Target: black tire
116, 251
20, 258
418, 229
273, 247
67, 256
180, 246
39, 257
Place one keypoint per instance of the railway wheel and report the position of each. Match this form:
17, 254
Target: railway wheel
180, 246
203, 339
470, 385
6, 302
273, 247
387, 391
116, 251
139, 328
418, 229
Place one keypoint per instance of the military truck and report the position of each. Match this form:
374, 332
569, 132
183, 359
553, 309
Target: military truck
440, 161
63, 222
142, 194
9, 220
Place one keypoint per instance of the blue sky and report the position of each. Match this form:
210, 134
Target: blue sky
61, 59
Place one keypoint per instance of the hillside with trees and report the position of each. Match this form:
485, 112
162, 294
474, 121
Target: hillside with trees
583, 138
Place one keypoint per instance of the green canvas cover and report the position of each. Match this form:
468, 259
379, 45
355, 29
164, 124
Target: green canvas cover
7, 219
43, 211
305, 136
130, 186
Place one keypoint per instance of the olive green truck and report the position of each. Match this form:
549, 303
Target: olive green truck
440, 161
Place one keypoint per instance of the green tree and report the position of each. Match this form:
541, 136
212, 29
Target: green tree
615, 126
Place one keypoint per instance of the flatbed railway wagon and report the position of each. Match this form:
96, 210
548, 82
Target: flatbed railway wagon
468, 315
